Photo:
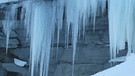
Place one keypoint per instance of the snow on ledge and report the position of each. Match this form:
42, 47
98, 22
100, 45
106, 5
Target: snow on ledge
19, 62
126, 68
119, 59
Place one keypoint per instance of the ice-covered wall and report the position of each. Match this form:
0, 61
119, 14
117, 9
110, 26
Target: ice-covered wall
40, 18
72, 16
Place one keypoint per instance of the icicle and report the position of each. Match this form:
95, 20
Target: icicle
9, 22
121, 25
58, 35
74, 13
26, 16
101, 6
41, 35
59, 14
72, 18
40, 18
93, 12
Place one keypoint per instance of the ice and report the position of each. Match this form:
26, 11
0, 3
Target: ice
42, 18
41, 35
74, 13
102, 5
121, 25
9, 22
26, 15
59, 20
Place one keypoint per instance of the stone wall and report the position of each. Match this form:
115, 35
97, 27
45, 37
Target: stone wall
92, 52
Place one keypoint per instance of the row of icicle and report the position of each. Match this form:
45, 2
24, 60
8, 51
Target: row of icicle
42, 17
121, 26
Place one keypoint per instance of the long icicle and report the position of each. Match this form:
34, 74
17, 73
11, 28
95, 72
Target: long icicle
9, 22
42, 29
121, 25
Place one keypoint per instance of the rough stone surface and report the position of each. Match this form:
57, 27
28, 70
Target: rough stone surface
91, 56
11, 67
21, 53
65, 69
0, 23
4, 58
22, 37
87, 55
13, 43
3, 72
1, 36
13, 74
13, 34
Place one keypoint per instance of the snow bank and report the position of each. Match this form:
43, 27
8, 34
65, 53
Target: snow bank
124, 69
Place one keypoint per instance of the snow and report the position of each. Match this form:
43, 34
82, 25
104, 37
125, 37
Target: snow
124, 69
118, 59
19, 62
